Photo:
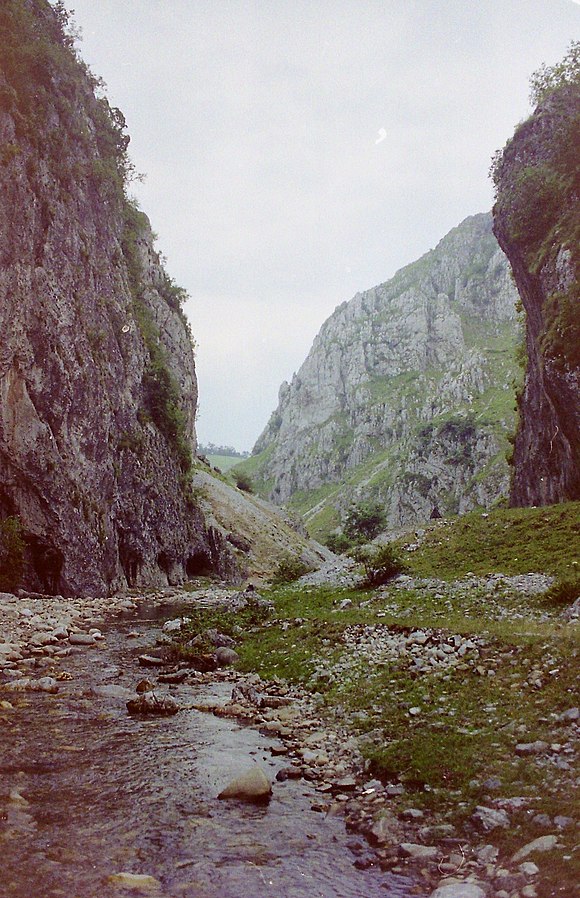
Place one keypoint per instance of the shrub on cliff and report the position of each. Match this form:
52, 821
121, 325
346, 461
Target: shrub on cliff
11, 554
537, 181
549, 78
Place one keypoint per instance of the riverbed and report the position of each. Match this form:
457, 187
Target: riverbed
89, 793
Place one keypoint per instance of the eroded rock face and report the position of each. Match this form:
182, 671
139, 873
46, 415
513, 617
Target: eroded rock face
536, 220
96, 362
410, 383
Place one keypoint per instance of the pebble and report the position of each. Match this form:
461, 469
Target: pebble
82, 639
150, 661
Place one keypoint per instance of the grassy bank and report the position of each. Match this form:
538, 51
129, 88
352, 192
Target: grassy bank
451, 732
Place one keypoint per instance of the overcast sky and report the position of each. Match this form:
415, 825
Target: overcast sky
298, 151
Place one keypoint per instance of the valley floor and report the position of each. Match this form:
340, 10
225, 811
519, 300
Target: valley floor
436, 715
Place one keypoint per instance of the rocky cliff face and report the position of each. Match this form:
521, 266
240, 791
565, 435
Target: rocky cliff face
406, 394
97, 378
537, 222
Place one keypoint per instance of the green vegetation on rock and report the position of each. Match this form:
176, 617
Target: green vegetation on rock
161, 392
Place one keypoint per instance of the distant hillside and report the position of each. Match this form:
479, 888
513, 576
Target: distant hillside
224, 462
407, 394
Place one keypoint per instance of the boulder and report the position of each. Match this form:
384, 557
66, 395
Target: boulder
253, 786
44, 684
487, 819
226, 656
543, 843
532, 748
220, 640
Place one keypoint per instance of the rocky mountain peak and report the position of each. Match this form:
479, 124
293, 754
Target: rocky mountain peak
406, 391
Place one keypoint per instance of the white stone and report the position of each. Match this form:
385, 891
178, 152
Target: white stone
543, 843
458, 890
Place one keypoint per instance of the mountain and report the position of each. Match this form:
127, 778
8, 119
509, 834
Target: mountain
98, 389
537, 222
406, 396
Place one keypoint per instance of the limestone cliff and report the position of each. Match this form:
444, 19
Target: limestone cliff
97, 378
406, 395
537, 222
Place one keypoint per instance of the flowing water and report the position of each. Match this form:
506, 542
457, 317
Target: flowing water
88, 792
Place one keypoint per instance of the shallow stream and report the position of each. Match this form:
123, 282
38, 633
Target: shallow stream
89, 792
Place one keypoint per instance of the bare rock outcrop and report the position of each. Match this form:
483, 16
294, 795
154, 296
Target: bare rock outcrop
98, 390
537, 222
407, 393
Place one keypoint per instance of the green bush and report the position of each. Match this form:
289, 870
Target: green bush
11, 554
244, 482
339, 543
563, 592
288, 570
364, 521
380, 563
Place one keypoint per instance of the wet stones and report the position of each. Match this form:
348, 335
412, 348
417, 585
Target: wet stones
418, 852
175, 678
151, 703
205, 663
26, 684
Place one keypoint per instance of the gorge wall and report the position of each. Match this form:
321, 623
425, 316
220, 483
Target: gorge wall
97, 377
407, 394
537, 222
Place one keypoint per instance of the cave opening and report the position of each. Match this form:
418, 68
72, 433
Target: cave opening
199, 565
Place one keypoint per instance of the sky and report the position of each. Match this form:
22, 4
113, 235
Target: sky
296, 152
